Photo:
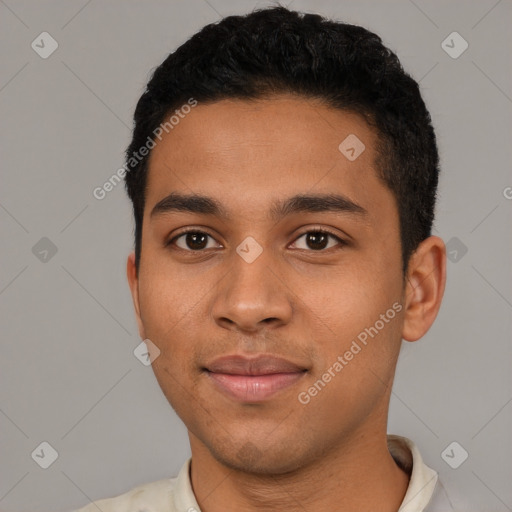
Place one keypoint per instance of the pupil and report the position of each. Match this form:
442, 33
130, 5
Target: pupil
316, 240
196, 240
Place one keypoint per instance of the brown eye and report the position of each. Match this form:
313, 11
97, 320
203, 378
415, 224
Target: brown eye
193, 241
318, 240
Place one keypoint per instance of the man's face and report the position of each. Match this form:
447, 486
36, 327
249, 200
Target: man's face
221, 307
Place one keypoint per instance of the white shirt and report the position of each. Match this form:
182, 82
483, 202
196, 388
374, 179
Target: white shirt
424, 493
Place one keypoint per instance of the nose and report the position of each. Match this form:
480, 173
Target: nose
252, 296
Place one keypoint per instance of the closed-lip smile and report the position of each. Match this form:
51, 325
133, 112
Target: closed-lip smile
253, 379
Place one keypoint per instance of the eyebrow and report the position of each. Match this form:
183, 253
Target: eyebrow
300, 203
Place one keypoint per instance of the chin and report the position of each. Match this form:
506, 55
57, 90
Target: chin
255, 463
260, 458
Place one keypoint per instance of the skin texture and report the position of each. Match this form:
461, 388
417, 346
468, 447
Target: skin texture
295, 301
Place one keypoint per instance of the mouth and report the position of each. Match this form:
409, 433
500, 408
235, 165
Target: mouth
253, 380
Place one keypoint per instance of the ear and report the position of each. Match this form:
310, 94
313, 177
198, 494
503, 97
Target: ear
425, 283
133, 281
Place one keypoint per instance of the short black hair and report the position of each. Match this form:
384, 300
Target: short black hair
276, 50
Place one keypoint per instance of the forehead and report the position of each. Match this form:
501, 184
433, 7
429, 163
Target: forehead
265, 148
279, 122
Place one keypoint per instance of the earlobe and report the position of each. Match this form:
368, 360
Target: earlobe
133, 282
426, 278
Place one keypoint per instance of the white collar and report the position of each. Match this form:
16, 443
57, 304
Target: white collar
422, 480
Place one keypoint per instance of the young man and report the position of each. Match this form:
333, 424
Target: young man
283, 174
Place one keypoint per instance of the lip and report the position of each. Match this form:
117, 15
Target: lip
253, 380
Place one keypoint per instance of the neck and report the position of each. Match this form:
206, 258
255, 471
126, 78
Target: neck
358, 476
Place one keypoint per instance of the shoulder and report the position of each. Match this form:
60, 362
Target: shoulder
150, 497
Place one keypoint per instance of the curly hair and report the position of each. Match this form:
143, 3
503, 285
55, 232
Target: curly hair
276, 50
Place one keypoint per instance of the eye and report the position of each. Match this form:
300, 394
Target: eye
319, 240
193, 241
314, 239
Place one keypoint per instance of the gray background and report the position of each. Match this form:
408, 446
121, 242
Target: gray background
68, 375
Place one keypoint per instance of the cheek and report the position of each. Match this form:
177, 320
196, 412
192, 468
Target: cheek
354, 371
168, 293
358, 317
346, 300
172, 314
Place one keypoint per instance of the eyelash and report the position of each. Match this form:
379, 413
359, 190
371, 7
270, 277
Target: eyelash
324, 231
